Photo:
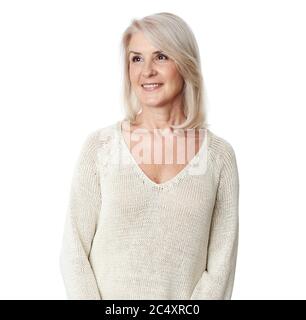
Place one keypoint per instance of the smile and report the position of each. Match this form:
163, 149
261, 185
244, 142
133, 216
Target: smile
151, 87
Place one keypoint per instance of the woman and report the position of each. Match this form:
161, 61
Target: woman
148, 219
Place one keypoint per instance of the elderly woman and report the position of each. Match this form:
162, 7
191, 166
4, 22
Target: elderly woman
153, 208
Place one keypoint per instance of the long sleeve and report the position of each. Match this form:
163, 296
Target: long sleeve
216, 282
80, 225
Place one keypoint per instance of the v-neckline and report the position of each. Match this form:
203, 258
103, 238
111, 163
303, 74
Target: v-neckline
182, 173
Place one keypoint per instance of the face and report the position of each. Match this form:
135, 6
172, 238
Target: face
149, 66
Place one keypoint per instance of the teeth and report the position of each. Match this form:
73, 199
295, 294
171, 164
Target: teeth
151, 85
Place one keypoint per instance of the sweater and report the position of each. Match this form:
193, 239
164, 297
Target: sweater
128, 237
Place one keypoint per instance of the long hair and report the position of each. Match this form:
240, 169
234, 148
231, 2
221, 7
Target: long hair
172, 35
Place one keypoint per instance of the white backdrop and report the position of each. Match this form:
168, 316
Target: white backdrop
60, 79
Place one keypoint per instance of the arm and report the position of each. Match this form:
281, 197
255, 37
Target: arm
217, 280
80, 225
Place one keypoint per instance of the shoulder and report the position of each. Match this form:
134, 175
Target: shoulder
220, 148
100, 137
97, 142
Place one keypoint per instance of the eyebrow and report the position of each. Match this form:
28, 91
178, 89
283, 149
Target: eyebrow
140, 52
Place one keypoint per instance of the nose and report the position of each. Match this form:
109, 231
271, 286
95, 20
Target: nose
148, 69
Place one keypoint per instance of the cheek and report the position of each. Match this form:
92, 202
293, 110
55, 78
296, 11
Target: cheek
174, 75
133, 75
131, 71
175, 80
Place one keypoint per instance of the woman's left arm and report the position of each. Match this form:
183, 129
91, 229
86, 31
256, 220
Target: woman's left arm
217, 280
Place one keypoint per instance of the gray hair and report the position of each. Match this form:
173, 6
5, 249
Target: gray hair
172, 35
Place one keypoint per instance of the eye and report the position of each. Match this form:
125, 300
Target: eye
162, 55
135, 57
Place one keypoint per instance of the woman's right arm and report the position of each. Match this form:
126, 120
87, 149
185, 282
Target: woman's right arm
80, 225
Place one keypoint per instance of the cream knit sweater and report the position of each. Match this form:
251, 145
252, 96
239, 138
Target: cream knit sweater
127, 237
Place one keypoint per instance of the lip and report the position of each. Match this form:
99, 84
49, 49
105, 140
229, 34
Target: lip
153, 88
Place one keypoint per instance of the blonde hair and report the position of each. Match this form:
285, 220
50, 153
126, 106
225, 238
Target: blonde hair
172, 35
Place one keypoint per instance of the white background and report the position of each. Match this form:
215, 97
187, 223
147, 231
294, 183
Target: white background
60, 79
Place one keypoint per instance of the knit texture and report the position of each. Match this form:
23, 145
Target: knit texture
127, 237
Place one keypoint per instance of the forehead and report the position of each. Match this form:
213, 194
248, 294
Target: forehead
140, 43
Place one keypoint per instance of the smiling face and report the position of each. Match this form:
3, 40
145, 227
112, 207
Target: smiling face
148, 64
